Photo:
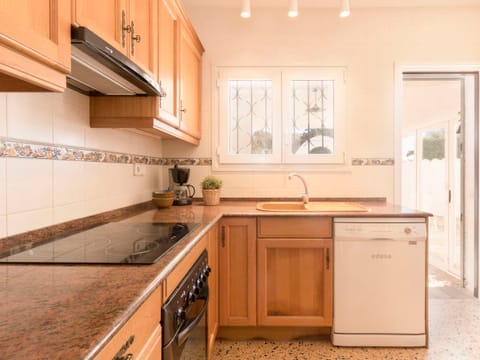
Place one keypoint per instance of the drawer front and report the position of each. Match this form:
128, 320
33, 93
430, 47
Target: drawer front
143, 326
294, 226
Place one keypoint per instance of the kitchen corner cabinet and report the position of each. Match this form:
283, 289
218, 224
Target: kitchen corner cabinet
128, 25
237, 271
34, 45
294, 271
141, 336
190, 82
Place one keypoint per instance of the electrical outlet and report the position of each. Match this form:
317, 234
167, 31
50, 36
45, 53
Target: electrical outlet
138, 169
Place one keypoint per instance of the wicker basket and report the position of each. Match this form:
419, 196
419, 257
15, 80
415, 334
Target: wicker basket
211, 197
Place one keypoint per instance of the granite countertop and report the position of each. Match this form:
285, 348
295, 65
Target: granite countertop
71, 311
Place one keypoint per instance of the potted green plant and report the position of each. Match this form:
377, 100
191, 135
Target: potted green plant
211, 186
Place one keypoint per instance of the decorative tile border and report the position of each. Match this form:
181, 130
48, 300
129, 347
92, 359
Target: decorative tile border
373, 162
30, 150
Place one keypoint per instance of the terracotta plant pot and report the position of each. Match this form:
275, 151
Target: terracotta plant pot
211, 197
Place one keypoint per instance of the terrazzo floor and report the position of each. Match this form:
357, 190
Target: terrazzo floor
454, 321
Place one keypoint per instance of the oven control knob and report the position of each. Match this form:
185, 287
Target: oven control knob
181, 315
203, 277
208, 270
195, 290
199, 284
191, 297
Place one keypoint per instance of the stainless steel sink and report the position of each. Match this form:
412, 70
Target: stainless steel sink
313, 206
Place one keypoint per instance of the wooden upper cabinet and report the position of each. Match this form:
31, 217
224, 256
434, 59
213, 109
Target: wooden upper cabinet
128, 25
237, 271
143, 34
168, 36
104, 18
34, 45
190, 83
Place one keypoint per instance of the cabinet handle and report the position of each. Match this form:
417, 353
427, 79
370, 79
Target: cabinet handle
222, 236
327, 260
125, 28
135, 38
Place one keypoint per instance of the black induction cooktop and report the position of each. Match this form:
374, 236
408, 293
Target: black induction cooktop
113, 243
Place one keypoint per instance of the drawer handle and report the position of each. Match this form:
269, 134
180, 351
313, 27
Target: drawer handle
119, 355
328, 259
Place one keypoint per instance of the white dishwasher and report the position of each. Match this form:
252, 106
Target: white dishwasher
379, 282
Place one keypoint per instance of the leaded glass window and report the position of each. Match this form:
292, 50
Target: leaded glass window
279, 117
312, 116
250, 116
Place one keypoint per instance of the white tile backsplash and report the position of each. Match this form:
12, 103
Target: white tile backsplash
3, 114
3, 226
68, 182
29, 185
70, 119
36, 193
30, 116
3, 186
69, 212
26, 221
97, 180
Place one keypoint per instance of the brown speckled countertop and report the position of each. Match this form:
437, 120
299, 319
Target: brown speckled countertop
70, 312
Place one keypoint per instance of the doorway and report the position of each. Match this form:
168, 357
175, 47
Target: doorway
437, 166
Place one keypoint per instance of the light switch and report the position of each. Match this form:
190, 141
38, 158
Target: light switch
138, 169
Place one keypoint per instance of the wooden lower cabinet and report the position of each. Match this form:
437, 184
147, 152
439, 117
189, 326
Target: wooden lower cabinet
294, 282
294, 273
237, 272
141, 335
212, 312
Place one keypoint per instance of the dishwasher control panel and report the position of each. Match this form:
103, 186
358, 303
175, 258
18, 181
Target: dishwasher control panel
380, 228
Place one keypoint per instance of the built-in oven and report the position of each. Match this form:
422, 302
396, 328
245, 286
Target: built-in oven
184, 315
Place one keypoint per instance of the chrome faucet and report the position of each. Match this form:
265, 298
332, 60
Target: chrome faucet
305, 197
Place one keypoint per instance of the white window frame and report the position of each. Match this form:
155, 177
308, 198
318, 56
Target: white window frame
281, 157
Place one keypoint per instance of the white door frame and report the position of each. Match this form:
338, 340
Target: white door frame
401, 68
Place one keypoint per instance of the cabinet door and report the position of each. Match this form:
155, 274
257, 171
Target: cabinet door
190, 83
104, 18
34, 44
237, 259
212, 324
294, 282
168, 36
143, 38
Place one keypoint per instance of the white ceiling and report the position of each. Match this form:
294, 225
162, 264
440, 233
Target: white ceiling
333, 3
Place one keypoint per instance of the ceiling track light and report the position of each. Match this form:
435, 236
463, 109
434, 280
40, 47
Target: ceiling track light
245, 13
345, 8
293, 8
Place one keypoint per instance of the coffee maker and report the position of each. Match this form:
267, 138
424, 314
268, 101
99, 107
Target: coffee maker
183, 192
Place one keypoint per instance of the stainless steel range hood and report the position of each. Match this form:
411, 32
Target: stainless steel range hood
99, 69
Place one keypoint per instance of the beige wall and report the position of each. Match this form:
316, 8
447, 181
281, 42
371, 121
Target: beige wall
36, 193
369, 43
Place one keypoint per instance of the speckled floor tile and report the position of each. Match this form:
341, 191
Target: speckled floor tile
454, 335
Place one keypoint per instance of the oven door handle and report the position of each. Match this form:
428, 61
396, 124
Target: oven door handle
184, 334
